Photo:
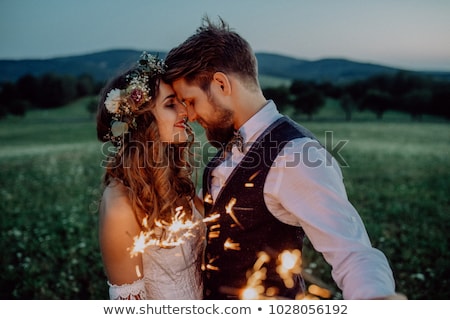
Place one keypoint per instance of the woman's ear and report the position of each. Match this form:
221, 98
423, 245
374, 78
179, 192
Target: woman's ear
222, 82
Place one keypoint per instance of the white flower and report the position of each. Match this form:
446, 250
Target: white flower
112, 102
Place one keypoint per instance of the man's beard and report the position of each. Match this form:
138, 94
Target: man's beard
218, 137
219, 130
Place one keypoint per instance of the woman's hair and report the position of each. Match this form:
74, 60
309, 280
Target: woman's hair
213, 48
157, 175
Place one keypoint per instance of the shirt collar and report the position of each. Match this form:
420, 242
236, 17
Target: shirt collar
254, 126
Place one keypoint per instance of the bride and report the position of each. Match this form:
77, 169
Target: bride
151, 233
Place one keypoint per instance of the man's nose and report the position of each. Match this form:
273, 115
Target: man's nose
181, 110
192, 116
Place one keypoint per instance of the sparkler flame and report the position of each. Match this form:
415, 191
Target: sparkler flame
289, 263
255, 288
208, 198
213, 217
210, 266
250, 294
229, 210
253, 176
175, 233
319, 291
230, 245
263, 257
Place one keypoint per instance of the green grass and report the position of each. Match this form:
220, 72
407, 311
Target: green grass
49, 184
397, 176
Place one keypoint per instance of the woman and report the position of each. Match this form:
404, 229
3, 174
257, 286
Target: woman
151, 235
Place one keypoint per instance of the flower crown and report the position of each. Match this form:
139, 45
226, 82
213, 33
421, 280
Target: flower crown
123, 103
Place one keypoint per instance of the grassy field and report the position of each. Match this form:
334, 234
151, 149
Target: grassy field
397, 175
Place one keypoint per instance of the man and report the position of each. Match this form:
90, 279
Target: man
264, 194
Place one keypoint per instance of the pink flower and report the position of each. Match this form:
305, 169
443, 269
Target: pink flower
137, 95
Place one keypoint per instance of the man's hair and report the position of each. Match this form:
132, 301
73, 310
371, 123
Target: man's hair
213, 48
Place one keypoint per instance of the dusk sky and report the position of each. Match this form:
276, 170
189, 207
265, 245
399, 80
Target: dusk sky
409, 34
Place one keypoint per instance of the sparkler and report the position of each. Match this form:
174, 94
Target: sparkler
179, 229
229, 211
230, 245
212, 218
319, 291
289, 263
210, 265
214, 232
255, 288
250, 184
208, 198
175, 233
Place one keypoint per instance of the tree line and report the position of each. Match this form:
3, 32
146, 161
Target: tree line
44, 92
408, 92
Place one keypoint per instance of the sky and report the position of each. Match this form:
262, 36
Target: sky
409, 34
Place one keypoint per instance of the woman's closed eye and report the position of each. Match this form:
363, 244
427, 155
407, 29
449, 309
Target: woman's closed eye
170, 103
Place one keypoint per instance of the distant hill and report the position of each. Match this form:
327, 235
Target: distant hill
105, 64
335, 70
101, 65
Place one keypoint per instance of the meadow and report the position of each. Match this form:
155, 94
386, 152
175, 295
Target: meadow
397, 174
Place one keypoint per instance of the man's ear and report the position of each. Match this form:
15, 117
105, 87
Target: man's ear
222, 82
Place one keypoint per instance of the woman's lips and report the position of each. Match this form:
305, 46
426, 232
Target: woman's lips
180, 124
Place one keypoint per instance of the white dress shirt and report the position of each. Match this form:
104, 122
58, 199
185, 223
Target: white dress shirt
304, 187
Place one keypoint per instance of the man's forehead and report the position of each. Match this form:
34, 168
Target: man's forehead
183, 89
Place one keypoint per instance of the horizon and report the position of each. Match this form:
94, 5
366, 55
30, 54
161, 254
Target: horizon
405, 34
256, 53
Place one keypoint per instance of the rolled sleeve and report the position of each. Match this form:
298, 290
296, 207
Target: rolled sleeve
305, 187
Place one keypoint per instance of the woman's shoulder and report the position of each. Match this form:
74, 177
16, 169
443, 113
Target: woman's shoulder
114, 190
115, 202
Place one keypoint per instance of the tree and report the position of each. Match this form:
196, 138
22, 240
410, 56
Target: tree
417, 102
18, 107
306, 97
8, 93
56, 90
440, 101
85, 85
92, 106
377, 101
348, 105
356, 90
28, 88
280, 95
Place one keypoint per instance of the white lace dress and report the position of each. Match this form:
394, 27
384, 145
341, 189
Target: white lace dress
170, 273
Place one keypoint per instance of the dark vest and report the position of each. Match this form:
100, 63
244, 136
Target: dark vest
249, 226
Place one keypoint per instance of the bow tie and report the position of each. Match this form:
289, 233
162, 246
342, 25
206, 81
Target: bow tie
237, 141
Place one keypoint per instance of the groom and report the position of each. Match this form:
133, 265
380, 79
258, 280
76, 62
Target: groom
265, 193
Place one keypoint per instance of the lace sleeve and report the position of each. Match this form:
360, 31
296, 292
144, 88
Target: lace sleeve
132, 291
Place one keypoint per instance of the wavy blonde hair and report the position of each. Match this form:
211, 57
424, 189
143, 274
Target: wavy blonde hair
157, 175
